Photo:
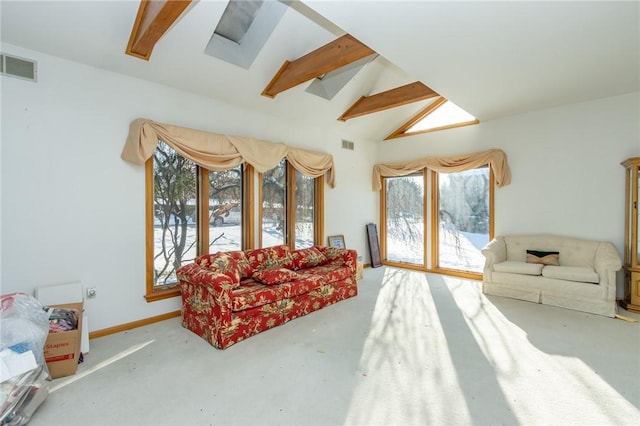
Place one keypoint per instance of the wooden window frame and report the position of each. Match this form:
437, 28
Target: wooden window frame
152, 293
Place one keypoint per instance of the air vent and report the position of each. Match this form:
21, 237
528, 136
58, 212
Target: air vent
347, 144
18, 67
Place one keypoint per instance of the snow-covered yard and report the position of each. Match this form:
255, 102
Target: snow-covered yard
458, 250
228, 238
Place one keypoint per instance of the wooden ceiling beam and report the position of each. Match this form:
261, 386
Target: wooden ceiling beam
393, 98
154, 18
327, 58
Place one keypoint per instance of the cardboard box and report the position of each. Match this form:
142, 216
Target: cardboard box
62, 349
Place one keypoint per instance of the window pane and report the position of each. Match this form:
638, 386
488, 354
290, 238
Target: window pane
464, 219
405, 219
305, 192
174, 207
225, 210
274, 205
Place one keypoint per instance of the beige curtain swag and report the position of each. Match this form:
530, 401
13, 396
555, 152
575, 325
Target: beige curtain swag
218, 152
495, 158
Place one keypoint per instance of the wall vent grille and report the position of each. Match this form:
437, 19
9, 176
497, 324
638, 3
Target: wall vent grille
347, 145
14, 66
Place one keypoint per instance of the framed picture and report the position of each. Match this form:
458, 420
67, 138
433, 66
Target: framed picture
337, 241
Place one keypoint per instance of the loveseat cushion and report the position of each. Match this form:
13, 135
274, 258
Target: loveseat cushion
515, 267
571, 273
268, 257
305, 258
543, 257
272, 276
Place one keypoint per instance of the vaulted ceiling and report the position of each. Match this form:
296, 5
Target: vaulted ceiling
491, 58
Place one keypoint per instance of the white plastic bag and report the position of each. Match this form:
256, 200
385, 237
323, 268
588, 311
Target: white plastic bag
25, 325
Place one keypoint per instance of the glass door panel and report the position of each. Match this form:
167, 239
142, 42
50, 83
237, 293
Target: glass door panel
463, 215
404, 227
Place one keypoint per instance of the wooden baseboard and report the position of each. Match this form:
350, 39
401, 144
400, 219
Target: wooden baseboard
132, 325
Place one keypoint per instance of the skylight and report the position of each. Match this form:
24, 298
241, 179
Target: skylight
439, 115
237, 18
243, 30
447, 114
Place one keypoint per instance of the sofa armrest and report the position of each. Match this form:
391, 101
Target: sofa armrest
494, 252
215, 284
347, 257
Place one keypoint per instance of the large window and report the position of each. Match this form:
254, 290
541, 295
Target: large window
291, 207
274, 206
450, 238
190, 211
305, 211
175, 189
193, 211
225, 210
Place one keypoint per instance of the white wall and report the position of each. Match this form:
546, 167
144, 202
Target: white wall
565, 165
73, 210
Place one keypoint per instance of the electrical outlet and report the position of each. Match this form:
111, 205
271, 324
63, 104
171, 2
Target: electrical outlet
91, 292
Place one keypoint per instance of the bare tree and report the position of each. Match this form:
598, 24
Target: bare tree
174, 185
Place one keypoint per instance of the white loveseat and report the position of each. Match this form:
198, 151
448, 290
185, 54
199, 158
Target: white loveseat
585, 279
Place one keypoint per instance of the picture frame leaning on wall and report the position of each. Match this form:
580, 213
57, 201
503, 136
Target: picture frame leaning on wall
336, 241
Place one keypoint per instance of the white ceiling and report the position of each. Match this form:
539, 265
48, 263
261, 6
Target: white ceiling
491, 58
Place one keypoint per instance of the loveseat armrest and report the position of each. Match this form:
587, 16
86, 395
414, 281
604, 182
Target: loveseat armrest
607, 257
607, 262
340, 256
494, 252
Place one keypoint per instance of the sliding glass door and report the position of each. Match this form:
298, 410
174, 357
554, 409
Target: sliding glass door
450, 237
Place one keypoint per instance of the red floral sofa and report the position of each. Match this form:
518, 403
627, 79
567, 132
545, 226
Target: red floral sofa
229, 296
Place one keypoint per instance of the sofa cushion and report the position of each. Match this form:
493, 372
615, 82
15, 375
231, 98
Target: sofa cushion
222, 263
304, 284
571, 273
332, 253
515, 267
269, 257
244, 268
272, 276
305, 258
329, 273
251, 293
543, 257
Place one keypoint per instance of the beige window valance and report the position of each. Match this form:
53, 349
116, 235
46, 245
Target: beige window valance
218, 152
495, 158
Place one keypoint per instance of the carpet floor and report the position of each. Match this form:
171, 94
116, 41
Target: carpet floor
410, 349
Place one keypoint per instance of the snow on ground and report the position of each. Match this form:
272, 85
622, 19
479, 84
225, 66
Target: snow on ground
458, 250
228, 238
